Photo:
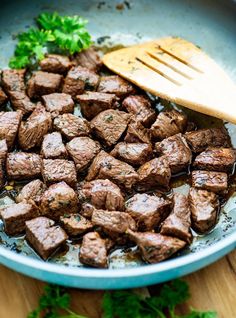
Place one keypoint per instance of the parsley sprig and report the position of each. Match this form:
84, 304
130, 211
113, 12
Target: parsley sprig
55, 303
56, 33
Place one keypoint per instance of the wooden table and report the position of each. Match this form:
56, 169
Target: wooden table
213, 287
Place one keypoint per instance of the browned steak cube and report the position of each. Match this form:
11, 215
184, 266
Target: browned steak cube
71, 126
167, 124
140, 106
105, 166
21, 101
155, 247
57, 170
137, 133
115, 84
3, 156
53, 147
82, 150
32, 131
176, 151
216, 159
102, 194
15, 215
113, 221
44, 236
178, 222
23, 165
9, 124
92, 103
153, 174
3, 97
109, 125
58, 103
93, 251
210, 180
55, 63
58, 200
13, 80
90, 59
32, 191
134, 154
75, 224
79, 79
204, 206
201, 139
148, 210
43, 83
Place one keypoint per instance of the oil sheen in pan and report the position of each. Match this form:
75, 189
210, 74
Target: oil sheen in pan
129, 257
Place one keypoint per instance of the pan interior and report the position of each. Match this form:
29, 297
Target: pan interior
209, 24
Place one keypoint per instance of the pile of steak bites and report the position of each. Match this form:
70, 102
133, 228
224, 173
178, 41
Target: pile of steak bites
105, 177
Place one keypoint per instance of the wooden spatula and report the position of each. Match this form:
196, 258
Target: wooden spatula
179, 71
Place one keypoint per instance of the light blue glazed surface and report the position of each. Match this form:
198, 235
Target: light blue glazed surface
211, 25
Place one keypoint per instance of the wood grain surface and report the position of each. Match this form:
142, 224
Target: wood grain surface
213, 287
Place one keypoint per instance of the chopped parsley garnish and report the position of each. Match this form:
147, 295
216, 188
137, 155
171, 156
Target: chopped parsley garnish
56, 34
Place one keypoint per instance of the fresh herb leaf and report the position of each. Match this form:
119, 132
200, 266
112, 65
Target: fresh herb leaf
52, 303
60, 34
127, 304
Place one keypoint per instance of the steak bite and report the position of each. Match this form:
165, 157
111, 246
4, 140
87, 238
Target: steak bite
137, 133
9, 124
115, 84
14, 85
71, 126
75, 224
13, 80
93, 251
201, 139
57, 170
210, 180
204, 206
134, 154
176, 151
44, 236
178, 222
155, 247
102, 194
20, 101
148, 210
23, 165
3, 97
90, 59
32, 191
55, 63
216, 159
15, 215
53, 147
43, 83
32, 131
79, 79
58, 200
153, 174
109, 125
93, 103
105, 166
3, 156
168, 123
113, 221
58, 103
140, 106
82, 150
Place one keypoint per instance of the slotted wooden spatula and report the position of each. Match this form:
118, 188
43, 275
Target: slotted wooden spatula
179, 71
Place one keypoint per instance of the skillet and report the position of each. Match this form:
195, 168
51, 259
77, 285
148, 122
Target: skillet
209, 24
